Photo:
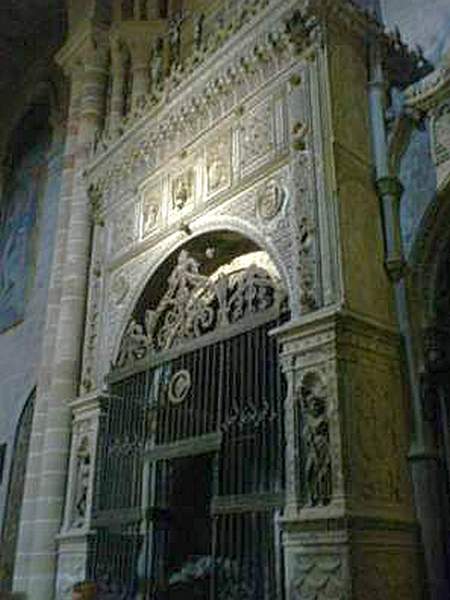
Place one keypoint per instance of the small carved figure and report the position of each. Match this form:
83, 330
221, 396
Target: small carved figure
175, 43
316, 442
198, 32
83, 469
156, 66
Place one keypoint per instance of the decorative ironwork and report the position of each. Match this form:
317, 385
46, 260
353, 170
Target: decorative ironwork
195, 305
179, 386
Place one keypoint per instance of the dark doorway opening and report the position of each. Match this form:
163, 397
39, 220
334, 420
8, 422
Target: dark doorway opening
189, 527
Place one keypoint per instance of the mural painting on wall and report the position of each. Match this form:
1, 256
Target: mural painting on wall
18, 213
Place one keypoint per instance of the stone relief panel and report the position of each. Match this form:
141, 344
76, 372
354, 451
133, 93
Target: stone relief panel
123, 230
83, 467
151, 209
257, 136
316, 480
218, 163
386, 574
182, 191
379, 445
318, 577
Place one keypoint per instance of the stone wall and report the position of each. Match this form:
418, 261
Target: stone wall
20, 344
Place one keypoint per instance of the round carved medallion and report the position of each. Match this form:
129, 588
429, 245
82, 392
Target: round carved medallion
270, 200
179, 386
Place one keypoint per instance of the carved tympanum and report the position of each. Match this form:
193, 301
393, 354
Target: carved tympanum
316, 471
195, 305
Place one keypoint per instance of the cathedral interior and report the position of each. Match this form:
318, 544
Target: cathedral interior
225, 299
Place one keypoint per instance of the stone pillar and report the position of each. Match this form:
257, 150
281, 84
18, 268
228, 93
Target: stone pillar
139, 44
25, 542
348, 528
74, 539
118, 81
49, 496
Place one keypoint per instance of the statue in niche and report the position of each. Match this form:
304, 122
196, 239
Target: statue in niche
82, 475
156, 66
315, 439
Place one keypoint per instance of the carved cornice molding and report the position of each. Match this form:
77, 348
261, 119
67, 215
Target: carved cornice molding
430, 91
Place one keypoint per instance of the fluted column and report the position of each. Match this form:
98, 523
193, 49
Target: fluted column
91, 52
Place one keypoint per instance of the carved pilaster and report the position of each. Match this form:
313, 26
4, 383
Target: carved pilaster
348, 492
74, 538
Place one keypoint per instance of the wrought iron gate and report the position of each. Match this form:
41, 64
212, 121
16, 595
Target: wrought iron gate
190, 474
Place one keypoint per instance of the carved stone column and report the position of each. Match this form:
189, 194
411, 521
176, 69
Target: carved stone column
73, 541
348, 527
32, 479
89, 49
139, 36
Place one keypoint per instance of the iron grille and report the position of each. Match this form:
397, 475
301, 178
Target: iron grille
219, 433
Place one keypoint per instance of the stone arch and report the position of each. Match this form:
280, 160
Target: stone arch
428, 287
16, 484
207, 231
427, 268
205, 227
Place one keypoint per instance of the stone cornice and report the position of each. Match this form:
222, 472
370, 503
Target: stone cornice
431, 91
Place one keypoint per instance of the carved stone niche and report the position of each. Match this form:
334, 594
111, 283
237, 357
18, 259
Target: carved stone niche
182, 191
315, 465
86, 411
151, 209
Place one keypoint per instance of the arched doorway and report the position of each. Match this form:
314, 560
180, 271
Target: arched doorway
429, 294
10, 531
190, 472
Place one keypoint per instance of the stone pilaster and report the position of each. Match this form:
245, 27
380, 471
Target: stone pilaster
87, 50
73, 541
349, 527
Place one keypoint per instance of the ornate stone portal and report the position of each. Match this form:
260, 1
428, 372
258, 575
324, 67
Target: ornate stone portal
262, 131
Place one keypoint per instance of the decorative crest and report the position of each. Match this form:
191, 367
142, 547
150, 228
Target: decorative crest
195, 305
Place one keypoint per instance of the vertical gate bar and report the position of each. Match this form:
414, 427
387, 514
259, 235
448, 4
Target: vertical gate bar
207, 395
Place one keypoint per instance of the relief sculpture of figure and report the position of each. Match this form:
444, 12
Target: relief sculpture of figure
83, 470
315, 442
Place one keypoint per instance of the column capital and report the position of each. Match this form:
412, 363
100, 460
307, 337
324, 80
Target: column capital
86, 47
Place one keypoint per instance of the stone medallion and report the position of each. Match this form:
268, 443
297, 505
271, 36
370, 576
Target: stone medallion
270, 200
